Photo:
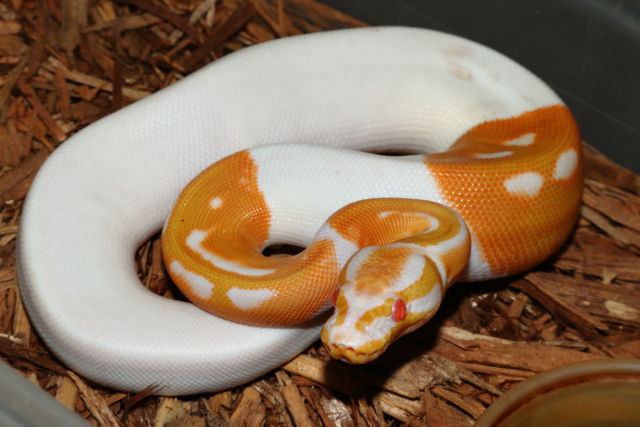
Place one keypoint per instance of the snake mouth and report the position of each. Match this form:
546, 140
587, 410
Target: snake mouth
350, 355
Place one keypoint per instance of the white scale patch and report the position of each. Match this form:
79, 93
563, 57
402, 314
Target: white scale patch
524, 184
478, 266
216, 203
522, 140
194, 241
246, 299
200, 286
566, 164
357, 175
344, 248
434, 256
376, 330
427, 302
435, 252
495, 155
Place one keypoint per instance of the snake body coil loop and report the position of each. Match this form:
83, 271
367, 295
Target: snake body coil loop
495, 146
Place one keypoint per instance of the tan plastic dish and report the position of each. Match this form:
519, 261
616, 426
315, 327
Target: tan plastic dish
594, 393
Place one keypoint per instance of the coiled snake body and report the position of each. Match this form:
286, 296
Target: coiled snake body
494, 144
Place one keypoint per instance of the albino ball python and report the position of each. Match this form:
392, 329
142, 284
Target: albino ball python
507, 159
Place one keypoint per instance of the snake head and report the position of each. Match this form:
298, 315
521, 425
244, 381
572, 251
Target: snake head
384, 292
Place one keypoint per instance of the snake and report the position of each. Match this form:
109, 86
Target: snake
289, 141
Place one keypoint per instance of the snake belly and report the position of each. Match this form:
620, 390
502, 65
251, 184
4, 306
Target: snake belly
504, 152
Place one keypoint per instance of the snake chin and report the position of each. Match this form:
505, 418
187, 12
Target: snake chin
344, 343
350, 355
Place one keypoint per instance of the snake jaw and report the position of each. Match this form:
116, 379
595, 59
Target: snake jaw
352, 356
354, 349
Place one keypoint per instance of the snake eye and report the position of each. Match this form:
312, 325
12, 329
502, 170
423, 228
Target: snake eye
334, 297
399, 310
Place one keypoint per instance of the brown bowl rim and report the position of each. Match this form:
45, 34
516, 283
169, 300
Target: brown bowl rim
576, 373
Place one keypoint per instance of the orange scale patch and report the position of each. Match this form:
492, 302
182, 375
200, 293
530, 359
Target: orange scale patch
380, 269
243, 217
380, 221
237, 226
515, 231
303, 284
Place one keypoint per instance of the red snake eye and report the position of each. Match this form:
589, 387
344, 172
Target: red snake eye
334, 297
399, 310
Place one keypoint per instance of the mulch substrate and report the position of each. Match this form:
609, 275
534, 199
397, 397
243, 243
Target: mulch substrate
66, 63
